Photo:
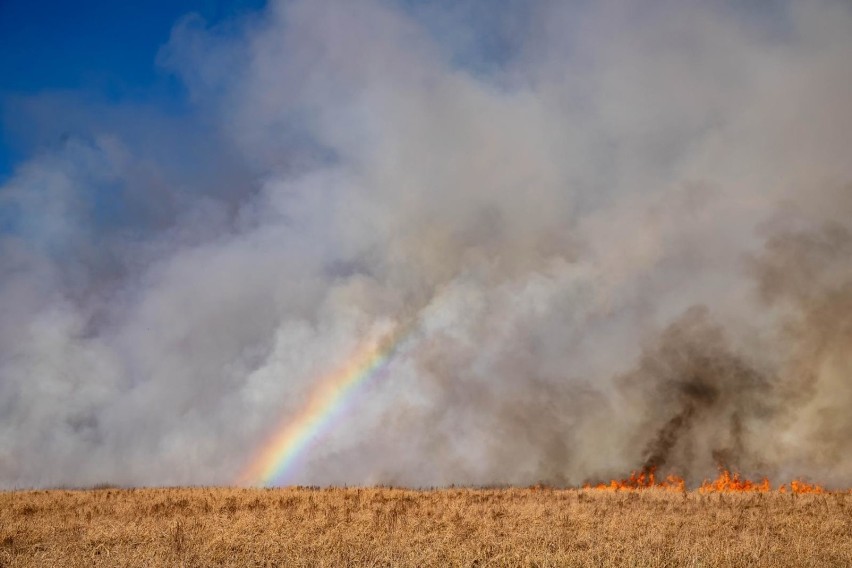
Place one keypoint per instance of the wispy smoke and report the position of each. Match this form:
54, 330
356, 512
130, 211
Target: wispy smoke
625, 234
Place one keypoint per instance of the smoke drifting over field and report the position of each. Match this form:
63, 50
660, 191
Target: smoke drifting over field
625, 234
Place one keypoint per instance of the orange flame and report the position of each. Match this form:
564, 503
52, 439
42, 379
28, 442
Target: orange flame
798, 487
726, 482
642, 480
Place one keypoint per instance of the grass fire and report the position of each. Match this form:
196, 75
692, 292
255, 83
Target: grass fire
726, 482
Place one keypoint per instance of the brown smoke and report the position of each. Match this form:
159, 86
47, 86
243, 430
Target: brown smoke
708, 402
806, 273
699, 396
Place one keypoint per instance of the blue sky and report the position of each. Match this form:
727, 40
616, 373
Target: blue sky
102, 47
75, 71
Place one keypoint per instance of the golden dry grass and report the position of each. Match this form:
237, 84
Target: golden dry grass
395, 527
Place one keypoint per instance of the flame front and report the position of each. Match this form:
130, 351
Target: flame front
726, 482
642, 480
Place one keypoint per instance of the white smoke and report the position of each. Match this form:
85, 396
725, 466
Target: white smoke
584, 220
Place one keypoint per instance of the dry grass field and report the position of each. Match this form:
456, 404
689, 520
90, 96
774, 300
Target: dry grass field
448, 527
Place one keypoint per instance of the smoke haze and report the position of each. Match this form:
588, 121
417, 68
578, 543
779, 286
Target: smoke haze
624, 234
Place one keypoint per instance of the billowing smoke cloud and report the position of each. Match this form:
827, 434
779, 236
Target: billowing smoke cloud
624, 234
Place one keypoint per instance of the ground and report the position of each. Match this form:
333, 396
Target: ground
445, 527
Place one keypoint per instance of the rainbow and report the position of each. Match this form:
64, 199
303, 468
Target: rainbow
279, 453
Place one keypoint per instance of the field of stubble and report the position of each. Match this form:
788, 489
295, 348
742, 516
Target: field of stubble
395, 527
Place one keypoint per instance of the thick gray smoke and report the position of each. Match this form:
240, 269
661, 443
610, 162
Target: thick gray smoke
623, 233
